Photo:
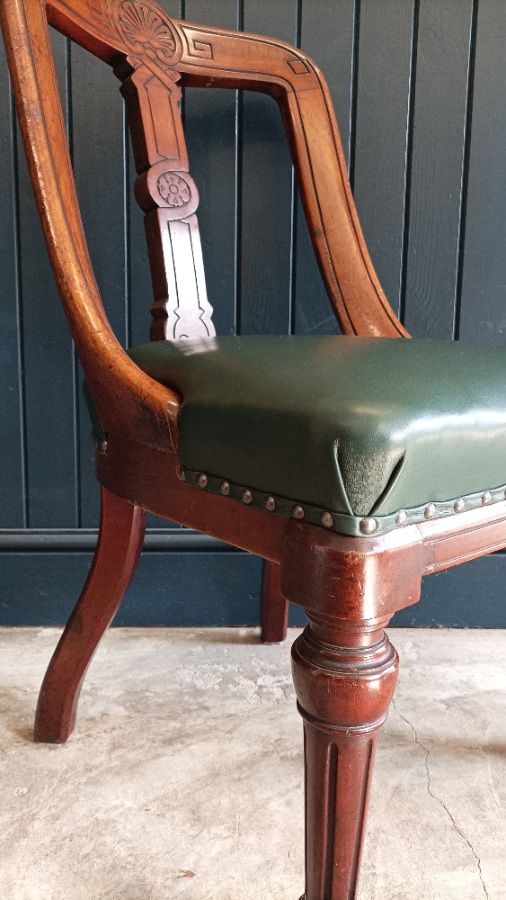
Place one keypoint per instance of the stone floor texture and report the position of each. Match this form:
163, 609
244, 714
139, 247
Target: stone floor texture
184, 777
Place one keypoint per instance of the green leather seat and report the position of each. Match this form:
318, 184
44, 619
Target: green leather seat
362, 435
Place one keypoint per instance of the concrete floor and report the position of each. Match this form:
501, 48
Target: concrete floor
184, 776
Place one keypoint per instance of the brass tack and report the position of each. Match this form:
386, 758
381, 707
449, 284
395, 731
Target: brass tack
368, 525
102, 446
181, 474
298, 512
401, 517
486, 498
225, 488
327, 520
202, 480
247, 496
430, 511
459, 505
270, 504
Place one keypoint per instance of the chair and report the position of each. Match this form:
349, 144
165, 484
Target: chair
352, 464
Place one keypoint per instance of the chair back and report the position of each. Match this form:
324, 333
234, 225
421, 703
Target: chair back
153, 56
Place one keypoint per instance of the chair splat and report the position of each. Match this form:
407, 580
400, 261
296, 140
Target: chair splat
169, 197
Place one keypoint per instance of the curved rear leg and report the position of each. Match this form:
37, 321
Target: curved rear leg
118, 549
274, 608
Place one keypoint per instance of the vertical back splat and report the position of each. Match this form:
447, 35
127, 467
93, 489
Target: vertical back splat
164, 189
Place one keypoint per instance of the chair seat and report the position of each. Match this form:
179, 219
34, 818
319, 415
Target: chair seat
361, 435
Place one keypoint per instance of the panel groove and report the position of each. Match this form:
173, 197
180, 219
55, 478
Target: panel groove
76, 374
237, 185
332, 774
238, 211
292, 290
354, 92
24, 474
292, 313
127, 230
465, 168
409, 158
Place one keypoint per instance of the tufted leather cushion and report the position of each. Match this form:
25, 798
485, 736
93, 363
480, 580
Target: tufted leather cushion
360, 427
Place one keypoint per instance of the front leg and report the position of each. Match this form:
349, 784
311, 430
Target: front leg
344, 675
344, 670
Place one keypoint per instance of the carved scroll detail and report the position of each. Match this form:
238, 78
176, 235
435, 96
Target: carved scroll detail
200, 49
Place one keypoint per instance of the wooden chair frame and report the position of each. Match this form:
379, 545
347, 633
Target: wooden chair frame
344, 666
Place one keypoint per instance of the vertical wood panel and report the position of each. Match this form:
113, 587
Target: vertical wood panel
97, 144
334, 55
136, 260
12, 506
426, 140
383, 90
266, 192
48, 364
437, 167
483, 313
210, 126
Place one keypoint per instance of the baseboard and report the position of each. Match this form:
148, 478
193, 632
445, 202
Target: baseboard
188, 579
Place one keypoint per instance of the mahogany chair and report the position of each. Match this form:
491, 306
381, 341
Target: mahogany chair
354, 464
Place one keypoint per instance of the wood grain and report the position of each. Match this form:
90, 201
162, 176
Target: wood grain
344, 666
119, 546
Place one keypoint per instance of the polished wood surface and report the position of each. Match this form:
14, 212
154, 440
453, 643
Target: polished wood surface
169, 197
120, 540
344, 678
344, 666
274, 610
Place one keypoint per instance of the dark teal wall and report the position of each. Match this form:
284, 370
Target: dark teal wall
419, 89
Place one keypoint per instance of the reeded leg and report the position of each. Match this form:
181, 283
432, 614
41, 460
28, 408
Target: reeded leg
274, 613
119, 545
345, 676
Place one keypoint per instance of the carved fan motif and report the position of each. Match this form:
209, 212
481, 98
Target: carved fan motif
146, 32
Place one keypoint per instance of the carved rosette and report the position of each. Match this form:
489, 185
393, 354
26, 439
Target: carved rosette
161, 187
147, 32
173, 189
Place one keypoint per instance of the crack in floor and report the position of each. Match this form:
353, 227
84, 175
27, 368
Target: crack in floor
434, 796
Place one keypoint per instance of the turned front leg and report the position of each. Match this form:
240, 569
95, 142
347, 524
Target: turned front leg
344, 675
